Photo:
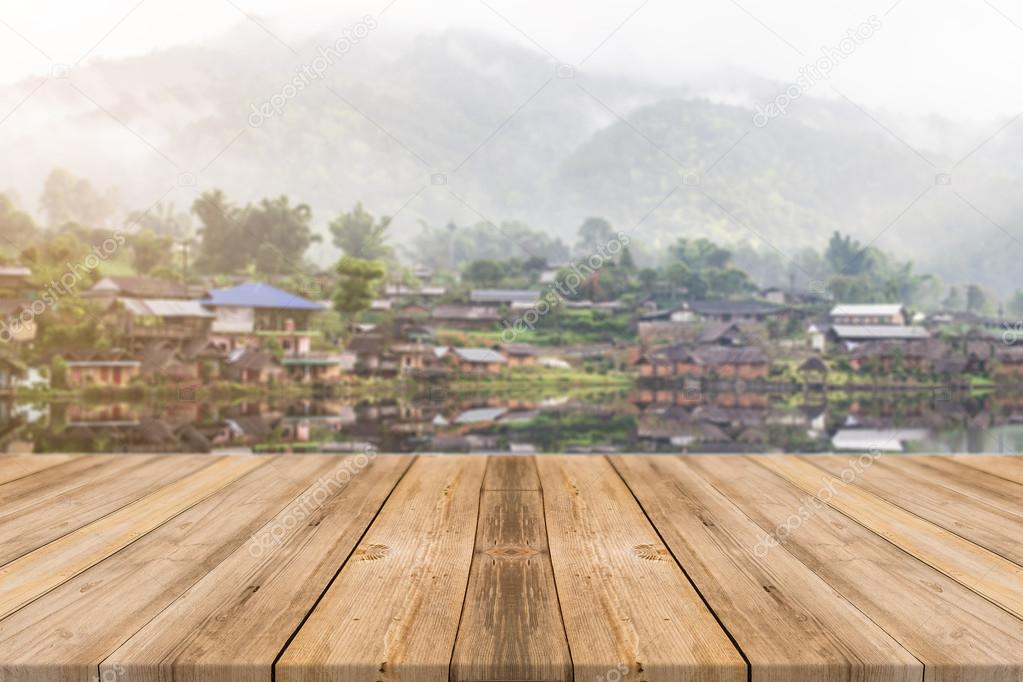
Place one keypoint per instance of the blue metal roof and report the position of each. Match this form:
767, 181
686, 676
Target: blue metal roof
258, 295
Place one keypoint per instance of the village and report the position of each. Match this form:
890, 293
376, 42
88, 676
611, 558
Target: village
183, 337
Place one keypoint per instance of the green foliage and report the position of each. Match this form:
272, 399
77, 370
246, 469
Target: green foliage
67, 198
150, 251
452, 246
163, 219
359, 235
16, 226
357, 284
271, 236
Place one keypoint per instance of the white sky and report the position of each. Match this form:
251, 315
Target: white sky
955, 58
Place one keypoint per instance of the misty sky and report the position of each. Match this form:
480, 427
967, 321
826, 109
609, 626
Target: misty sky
954, 58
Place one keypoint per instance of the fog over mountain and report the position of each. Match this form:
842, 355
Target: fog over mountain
455, 125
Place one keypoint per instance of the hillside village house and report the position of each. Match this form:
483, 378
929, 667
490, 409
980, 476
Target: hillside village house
475, 360
503, 296
108, 370
141, 320
319, 367
465, 316
868, 314
519, 354
853, 335
137, 287
722, 362
250, 312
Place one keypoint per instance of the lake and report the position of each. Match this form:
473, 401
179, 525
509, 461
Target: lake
438, 421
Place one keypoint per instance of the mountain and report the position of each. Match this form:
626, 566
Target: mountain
455, 126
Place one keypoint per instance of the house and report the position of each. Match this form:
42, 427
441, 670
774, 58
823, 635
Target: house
519, 354
887, 355
746, 363
868, 314
722, 362
319, 367
137, 287
1009, 364
15, 278
17, 322
814, 370
253, 366
852, 335
465, 316
260, 311
728, 311
792, 296
163, 361
476, 360
147, 319
503, 296
107, 370
369, 351
398, 292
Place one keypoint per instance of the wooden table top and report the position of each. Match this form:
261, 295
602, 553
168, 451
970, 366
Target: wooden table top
510, 569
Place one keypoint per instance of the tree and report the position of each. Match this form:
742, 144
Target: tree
593, 234
149, 251
846, 256
66, 198
271, 236
359, 235
163, 219
976, 299
954, 300
484, 273
16, 227
1016, 303
358, 279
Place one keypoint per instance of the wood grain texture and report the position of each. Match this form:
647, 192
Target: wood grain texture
980, 569
1004, 494
789, 623
628, 609
43, 569
511, 626
958, 635
16, 466
40, 520
64, 635
393, 611
997, 528
52, 482
233, 623
1009, 467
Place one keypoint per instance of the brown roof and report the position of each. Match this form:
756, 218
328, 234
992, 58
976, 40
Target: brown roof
147, 287
465, 312
721, 355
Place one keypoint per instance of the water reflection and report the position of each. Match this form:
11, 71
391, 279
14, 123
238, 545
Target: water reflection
635, 421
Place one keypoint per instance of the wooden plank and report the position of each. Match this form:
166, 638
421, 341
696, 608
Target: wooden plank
13, 467
234, 622
38, 572
629, 610
980, 569
40, 521
1009, 467
789, 623
65, 634
393, 611
511, 473
511, 626
51, 482
916, 491
958, 635
1004, 494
